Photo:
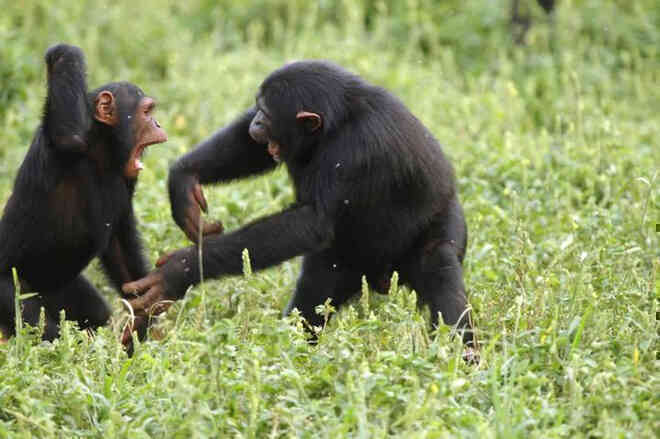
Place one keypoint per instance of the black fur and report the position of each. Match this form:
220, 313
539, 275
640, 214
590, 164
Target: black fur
70, 203
374, 193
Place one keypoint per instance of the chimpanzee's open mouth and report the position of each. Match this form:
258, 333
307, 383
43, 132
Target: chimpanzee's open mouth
137, 161
135, 165
137, 157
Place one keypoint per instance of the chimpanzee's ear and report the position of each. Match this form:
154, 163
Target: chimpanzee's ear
106, 109
311, 121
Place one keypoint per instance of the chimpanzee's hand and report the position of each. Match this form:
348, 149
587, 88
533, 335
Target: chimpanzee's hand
140, 324
156, 292
64, 56
187, 200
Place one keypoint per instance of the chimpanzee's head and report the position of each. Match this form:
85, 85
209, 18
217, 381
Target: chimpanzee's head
299, 104
125, 109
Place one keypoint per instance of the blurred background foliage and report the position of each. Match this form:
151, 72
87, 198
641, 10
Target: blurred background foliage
556, 149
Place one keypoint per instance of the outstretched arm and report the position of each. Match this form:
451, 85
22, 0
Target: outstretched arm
270, 240
66, 115
228, 154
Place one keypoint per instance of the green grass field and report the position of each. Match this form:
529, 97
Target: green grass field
556, 146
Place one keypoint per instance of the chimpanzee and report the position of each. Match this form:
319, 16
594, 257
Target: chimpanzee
72, 198
373, 193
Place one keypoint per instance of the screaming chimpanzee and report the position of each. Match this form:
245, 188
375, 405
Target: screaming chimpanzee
374, 193
72, 198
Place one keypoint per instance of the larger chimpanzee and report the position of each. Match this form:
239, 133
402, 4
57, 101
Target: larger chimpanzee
72, 198
374, 193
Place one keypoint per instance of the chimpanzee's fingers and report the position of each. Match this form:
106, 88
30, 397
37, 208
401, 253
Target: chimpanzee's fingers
213, 228
199, 197
141, 285
135, 325
191, 228
142, 303
126, 335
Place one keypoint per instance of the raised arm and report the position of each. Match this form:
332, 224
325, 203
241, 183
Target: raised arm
228, 154
67, 117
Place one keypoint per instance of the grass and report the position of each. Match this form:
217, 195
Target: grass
556, 149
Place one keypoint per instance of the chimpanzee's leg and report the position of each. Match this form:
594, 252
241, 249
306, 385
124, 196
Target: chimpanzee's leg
30, 311
434, 270
81, 302
322, 277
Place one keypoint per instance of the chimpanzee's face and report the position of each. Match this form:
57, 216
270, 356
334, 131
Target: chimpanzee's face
261, 129
147, 131
140, 128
